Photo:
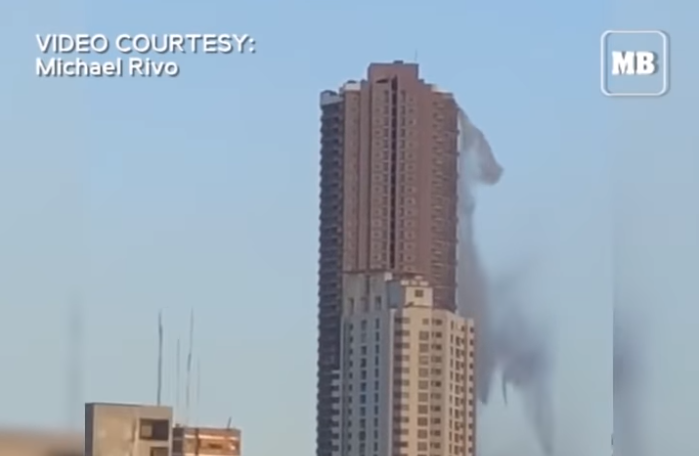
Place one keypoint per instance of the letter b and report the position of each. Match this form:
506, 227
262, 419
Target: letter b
645, 63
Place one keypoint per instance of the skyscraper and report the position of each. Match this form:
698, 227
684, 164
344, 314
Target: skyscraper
388, 201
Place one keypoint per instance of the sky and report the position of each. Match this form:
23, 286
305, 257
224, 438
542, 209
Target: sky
131, 196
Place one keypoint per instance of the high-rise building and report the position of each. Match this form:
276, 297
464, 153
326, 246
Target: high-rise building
407, 383
388, 201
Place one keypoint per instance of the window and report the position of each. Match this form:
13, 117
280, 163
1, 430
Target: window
419, 293
158, 430
159, 451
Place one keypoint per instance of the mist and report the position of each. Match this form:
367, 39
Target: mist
629, 355
537, 396
508, 343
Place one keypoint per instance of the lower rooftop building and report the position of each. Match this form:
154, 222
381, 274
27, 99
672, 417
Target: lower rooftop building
407, 371
206, 441
126, 429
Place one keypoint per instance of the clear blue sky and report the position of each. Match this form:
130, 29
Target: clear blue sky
201, 192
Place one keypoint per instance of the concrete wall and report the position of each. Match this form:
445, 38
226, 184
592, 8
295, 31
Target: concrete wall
121, 429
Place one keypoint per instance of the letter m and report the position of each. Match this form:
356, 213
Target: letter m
623, 63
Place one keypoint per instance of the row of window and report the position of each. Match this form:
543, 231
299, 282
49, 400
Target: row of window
426, 360
455, 412
456, 390
362, 413
425, 348
427, 335
426, 384
362, 399
423, 446
437, 372
429, 321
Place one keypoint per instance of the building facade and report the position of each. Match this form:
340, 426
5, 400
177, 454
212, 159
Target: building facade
407, 377
388, 201
125, 429
206, 441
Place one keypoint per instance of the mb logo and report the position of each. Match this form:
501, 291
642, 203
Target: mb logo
634, 63
641, 63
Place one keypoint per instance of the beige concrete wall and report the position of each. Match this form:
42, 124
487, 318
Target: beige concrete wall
118, 430
407, 379
432, 405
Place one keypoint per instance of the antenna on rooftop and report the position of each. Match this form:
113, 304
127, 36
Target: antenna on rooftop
197, 397
75, 365
178, 372
160, 359
188, 386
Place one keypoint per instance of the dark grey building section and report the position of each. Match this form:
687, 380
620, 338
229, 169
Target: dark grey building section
330, 269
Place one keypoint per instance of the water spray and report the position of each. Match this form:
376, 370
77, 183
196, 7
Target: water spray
507, 342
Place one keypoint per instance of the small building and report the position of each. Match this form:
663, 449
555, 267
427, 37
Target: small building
125, 429
206, 441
